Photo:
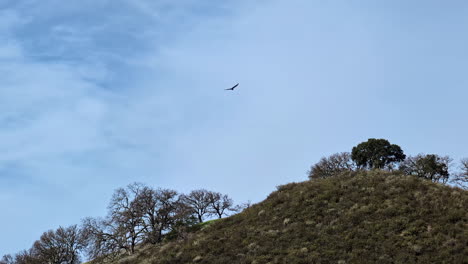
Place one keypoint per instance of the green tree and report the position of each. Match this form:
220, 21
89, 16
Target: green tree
376, 154
432, 167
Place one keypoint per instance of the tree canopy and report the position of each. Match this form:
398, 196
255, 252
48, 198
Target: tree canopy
376, 154
431, 166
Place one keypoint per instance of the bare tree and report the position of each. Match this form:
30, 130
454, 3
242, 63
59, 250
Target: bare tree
126, 215
73, 242
47, 249
160, 211
220, 203
332, 166
27, 257
104, 241
198, 203
244, 206
461, 178
7, 259
123, 228
464, 167
59, 247
62, 246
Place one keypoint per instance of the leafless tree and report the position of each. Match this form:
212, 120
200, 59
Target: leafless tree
220, 203
198, 203
122, 229
73, 240
464, 167
160, 211
461, 178
7, 259
104, 239
332, 165
241, 207
61, 246
126, 215
246, 205
27, 257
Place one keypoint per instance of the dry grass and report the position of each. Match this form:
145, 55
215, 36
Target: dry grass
367, 217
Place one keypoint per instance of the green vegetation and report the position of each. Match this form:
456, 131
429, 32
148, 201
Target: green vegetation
376, 154
431, 167
357, 217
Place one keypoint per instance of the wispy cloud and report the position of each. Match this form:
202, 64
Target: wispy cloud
81, 110
96, 94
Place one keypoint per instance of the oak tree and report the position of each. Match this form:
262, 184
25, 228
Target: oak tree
376, 154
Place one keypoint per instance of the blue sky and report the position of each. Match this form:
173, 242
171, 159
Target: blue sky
97, 94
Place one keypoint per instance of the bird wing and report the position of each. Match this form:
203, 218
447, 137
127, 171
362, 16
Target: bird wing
232, 88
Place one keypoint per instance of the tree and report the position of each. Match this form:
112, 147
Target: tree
161, 209
126, 215
376, 154
104, 240
61, 246
431, 167
27, 257
122, 229
461, 178
331, 166
244, 206
7, 259
198, 203
220, 203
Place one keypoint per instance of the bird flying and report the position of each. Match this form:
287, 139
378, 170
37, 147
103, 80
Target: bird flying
232, 88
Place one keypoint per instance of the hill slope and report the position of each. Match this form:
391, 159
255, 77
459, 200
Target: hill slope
370, 217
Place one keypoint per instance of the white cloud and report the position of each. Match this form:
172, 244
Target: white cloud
60, 114
47, 109
97, 94
159, 114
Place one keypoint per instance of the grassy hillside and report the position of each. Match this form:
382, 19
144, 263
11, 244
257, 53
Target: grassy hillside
370, 217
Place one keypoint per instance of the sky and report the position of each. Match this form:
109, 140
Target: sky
98, 94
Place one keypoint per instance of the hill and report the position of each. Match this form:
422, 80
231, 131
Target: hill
366, 217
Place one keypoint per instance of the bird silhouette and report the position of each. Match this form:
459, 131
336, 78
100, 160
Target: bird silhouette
232, 88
